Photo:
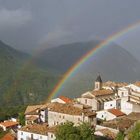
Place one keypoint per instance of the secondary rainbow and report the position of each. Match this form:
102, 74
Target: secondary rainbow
88, 55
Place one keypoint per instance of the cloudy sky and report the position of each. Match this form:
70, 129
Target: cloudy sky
29, 24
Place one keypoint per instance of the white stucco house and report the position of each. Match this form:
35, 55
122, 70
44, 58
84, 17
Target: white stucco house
36, 132
103, 99
123, 92
130, 98
135, 86
128, 89
109, 114
100, 98
128, 107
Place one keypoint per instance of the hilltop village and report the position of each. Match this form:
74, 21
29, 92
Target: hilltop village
110, 107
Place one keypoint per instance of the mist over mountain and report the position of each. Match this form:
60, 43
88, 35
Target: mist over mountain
112, 62
62, 57
31, 83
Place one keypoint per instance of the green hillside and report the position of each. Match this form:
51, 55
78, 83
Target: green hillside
22, 83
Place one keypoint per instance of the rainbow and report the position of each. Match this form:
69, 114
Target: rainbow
88, 55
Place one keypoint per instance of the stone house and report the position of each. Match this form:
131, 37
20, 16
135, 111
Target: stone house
36, 114
60, 113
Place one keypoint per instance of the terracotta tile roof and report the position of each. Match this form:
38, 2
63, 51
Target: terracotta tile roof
102, 92
134, 116
70, 109
32, 109
80, 105
8, 136
52, 129
44, 106
86, 106
96, 93
38, 128
89, 113
105, 99
137, 83
122, 123
108, 133
9, 123
113, 84
116, 112
65, 99
32, 118
89, 96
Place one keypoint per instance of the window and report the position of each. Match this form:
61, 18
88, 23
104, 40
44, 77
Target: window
31, 136
110, 104
102, 116
63, 117
51, 136
85, 101
96, 85
60, 116
119, 105
78, 119
40, 137
21, 133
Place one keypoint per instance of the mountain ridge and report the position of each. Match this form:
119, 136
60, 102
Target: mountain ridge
37, 79
113, 62
66, 54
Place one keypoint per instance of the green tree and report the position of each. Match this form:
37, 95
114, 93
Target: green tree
74, 137
134, 134
68, 131
21, 118
86, 131
120, 136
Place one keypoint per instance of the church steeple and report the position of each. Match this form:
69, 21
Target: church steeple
98, 83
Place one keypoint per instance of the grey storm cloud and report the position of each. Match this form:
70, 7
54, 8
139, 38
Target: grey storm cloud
56, 36
60, 36
27, 24
12, 19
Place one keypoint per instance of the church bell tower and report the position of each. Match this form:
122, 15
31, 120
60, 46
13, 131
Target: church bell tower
98, 83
